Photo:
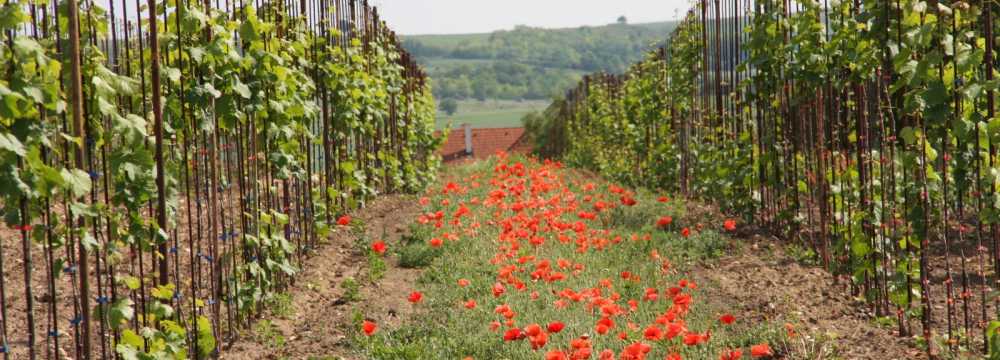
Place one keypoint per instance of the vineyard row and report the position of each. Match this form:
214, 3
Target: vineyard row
165, 166
863, 131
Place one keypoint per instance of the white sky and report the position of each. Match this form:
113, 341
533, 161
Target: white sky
414, 17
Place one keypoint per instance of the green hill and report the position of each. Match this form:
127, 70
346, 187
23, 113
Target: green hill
529, 63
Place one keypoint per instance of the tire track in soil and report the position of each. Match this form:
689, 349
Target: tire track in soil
319, 325
768, 285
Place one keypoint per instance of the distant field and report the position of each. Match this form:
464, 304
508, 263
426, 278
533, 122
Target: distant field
444, 64
490, 113
450, 40
441, 64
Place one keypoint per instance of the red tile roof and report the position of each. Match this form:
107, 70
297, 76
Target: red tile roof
485, 142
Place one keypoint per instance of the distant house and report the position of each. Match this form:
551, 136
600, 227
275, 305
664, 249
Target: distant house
468, 143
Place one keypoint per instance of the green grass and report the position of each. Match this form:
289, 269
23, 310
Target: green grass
414, 252
352, 290
490, 113
281, 305
444, 329
267, 333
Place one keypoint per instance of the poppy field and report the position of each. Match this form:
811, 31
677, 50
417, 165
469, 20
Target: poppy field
539, 261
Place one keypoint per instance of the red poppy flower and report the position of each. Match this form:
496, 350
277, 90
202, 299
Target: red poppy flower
344, 220
506, 311
580, 343
651, 294
607, 354
692, 339
653, 332
556, 355
628, 201
539, 341
463, 282
663, 199
606, 321
790, 330
436, 242
537, 240
727, 319
682, 300
636, 351
730, 225
498, 289
379, 247
415, 297
555, 327
369, 327
532, 330
471, 304
685, 232
664, 221
731, 355
513, 334
674, 329
760, 350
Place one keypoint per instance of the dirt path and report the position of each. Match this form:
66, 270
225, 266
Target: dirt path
829, 324
316, 320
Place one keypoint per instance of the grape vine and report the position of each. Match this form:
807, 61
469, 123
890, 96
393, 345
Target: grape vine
864, 131
168, 165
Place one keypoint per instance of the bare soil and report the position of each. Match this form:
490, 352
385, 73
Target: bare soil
827, 322
320, 319
60, 310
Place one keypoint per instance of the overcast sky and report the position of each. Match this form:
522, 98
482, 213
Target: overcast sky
413, 17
